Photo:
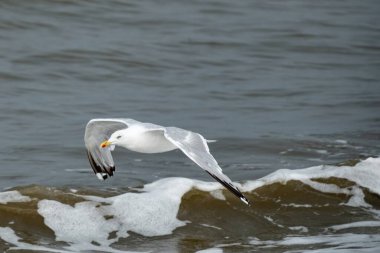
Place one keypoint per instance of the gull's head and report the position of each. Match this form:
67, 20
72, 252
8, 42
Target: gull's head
115, 139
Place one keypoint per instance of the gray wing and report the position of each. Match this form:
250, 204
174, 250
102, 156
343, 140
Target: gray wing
195, 147
97, 131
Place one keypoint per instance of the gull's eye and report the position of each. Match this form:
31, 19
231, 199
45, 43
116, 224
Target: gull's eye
118, 137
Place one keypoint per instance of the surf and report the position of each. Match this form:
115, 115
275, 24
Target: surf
308, 206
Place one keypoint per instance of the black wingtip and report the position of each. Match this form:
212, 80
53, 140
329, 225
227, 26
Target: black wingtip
96, 168
232, 189
100, 172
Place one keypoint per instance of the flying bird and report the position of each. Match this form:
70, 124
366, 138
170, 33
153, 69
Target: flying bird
102, 135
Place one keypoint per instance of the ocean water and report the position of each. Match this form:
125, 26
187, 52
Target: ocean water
290, 89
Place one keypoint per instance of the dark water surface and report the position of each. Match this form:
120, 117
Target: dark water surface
279, 84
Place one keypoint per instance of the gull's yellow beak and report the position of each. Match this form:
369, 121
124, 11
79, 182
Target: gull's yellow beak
105, 144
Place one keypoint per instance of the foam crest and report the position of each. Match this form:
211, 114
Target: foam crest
81, 224
364, 174
150, 213
98, 222
153, 212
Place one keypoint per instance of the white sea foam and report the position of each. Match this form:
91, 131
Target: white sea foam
302, 229
365, 174
210, 226
8, 235
357, 198
372, 223
218, 194
225, 245
150, 213
211, 250
12, 196
270, 219
153, 211
298, 205
80, 224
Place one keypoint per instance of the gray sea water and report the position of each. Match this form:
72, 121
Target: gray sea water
280, 84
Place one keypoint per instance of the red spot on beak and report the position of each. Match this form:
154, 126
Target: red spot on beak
105, 144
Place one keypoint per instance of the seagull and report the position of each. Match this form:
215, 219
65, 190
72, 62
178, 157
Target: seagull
102, 135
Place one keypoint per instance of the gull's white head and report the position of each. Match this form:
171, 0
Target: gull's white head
117, 138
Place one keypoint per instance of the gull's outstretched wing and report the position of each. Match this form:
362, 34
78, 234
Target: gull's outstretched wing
195, 147
97, 131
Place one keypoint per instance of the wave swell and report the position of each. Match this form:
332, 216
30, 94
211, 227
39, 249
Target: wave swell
312, 203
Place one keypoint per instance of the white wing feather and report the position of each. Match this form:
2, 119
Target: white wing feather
195, 147
97, 131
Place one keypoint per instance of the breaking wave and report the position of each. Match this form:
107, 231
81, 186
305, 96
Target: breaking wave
335, 207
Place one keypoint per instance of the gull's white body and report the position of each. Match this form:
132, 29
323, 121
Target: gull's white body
148, 138
139, 140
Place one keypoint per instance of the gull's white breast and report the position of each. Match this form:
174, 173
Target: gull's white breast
139, 140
